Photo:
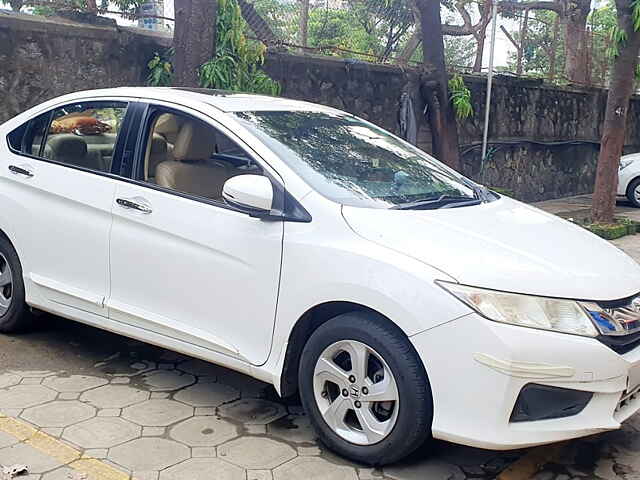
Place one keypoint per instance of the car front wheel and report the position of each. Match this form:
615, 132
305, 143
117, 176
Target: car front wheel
365, 389
633, 192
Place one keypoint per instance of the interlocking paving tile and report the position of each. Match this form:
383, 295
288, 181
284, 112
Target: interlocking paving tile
73, 383
62, 473
114, 396
199, 368
149, 453
7, 440
203, 469
317, 468
59, 413
157, 413
101, 432
207, 395
37, 461
253, 411
25, 396
427, 468
167, 380
32, 373
256, 452
293, 428
203, 431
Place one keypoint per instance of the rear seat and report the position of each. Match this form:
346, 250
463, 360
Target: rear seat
73, 150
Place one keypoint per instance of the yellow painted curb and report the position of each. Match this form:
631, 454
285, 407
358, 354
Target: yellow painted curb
60, 451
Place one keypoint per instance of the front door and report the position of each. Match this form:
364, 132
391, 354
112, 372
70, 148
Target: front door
183, 263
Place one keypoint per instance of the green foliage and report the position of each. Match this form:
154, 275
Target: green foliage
236, 65
460, 97
617, 37
160, 70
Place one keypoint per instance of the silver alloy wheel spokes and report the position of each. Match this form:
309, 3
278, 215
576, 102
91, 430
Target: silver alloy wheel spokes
356, 392
6, 285
636, 193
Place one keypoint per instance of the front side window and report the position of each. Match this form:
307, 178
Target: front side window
84, 134
355, 163
187, 155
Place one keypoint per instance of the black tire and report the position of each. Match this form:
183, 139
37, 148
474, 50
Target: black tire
17, 317
415, 413
632, 188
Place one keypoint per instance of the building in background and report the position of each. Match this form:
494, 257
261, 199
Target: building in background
149, 11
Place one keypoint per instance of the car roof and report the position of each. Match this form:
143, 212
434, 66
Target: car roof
220, 99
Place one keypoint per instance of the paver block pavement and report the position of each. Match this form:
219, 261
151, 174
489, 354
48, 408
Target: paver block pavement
293, 428
427, 468
207, 394
74, 383
199, 368
157, 413
59, 413
37, 461
25, 396
114, 396
203, 469
316, 468
203, 431
8, 380
167, 380
101, 432
149, 453
7, 440
253, 411
257, 453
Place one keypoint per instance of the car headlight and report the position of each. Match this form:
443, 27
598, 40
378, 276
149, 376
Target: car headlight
557, 315
625, 162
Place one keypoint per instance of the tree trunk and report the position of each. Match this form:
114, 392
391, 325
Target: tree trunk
444, 129
304, 22
575, 43
477, 63
554, 47
194, 38
260, 27
613, 130
92, 7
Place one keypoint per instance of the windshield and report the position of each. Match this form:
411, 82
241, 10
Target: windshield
355, 163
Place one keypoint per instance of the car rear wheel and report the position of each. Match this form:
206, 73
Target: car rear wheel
14, 313
633, 192
365, 389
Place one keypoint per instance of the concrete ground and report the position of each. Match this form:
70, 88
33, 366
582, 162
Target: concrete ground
81, 403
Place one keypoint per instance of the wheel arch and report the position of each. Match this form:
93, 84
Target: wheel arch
630, 182
304, 328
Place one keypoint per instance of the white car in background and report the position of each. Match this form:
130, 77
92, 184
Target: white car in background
629, 178
313, 250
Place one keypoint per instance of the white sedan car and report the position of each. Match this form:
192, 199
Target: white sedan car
313, 250
629, 178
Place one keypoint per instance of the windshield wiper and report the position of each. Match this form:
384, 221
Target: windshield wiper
443, 201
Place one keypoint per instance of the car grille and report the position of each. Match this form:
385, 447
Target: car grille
629, 402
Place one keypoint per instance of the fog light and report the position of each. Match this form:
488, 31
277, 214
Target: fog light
541, 402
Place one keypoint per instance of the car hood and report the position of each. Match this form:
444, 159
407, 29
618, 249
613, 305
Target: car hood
504, 245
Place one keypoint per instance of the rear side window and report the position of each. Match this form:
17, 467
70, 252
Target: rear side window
27, 138
84, 134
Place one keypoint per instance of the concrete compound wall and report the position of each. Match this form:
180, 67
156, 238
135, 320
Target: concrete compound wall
544, 139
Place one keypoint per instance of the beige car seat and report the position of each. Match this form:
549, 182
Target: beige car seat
189, 172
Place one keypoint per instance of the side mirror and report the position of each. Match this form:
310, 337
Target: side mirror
249, 191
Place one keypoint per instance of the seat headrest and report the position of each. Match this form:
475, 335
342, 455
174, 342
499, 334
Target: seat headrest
196, 142
158, 145
167, 123
66, 145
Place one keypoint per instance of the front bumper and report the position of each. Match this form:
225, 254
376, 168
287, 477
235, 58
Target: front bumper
477, 368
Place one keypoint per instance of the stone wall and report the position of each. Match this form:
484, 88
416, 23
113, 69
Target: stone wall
544, 140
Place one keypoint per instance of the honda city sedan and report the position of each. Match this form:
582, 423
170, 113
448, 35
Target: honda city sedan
313, 250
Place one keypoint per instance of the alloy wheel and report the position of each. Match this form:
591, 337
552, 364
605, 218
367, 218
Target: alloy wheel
356, 392
6, 285
636, 193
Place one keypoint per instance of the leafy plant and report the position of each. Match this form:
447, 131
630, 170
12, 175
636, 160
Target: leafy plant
160, 70
460, 97
617, 37
236, 65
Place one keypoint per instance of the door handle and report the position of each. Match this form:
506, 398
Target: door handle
20, 171
134, 204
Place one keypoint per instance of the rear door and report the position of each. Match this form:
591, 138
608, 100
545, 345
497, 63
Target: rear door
60, 180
